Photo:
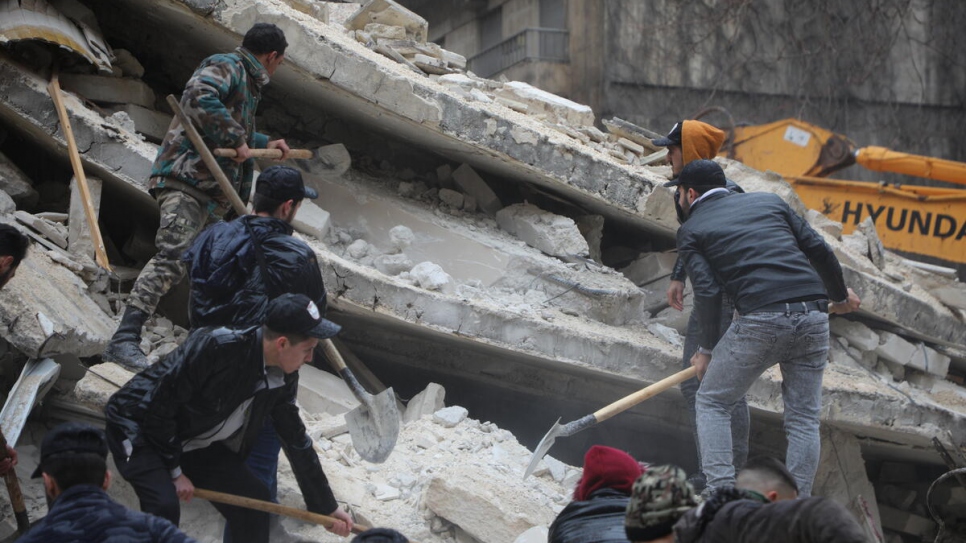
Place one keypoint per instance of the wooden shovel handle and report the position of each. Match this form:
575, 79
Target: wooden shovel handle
13, 489
630, 401
266, 153
207, 157
270, 507
333, 355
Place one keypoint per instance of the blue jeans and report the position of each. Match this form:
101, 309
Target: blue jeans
740, 419
798, 342
263, 462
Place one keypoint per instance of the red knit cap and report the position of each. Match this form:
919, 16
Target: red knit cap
606, 467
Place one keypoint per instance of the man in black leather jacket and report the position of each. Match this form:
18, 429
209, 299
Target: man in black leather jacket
236, 267
686, 142
192, 417
780, 274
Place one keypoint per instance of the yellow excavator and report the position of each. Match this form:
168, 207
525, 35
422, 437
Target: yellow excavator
912, 219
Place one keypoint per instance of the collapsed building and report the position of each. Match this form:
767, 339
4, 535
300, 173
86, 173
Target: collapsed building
489, 238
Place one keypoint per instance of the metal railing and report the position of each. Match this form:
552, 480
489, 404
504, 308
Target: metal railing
544, 44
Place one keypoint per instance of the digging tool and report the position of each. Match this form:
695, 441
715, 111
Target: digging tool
100, 254
273, 508
207, 157
374, 424
37, 377
13, 488
328, 160
621, 405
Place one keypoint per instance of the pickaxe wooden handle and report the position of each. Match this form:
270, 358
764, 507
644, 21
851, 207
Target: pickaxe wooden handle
267, 153
13, 488
270, 507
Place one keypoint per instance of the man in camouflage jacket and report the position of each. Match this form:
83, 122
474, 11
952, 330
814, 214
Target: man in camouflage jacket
220, 98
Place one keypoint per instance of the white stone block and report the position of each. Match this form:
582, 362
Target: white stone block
391, 32
427, 402
858, 335
400, 237
553, 234
151, 123
650, 267
451, 198
432, 277
78, 230
929, 361
322, 392
312, 220
895, 349
357, 249
472, 184
450, 416
540, 101
388, 12
393, 264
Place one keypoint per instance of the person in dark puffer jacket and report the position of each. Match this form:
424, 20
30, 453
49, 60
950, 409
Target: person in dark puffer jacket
73, 464
600, 498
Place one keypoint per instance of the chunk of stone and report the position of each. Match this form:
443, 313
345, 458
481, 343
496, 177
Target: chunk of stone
322, 392
450, 416
393, 264
821, 222
488, 512
930, 361
430, 276
153, 124
630, 146
555, 107
427, 402
537, 534
451, 198
894, 349
857, 334
392, 32
553, 234
17, 185
7, 205
390, 13
953, 296
842, 475
876, 250
557, 468
425, 441
358, 249
128, 62
650, 267
79, 240
400, 237
124, 121
666, 333
592, 228
472, 184
312, 220
454, 60
52, 231
385, 493
110, 90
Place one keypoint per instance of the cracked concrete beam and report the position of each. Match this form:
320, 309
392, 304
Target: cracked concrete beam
106, 150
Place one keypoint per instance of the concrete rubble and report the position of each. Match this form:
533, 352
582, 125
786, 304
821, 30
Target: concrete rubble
492, 256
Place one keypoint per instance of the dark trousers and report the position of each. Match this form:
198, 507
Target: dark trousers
212, 468
263, 462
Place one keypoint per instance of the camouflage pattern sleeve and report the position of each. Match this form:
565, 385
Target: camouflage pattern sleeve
205, 97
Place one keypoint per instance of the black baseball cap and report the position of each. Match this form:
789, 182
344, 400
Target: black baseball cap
70, 438
673, 137
298, 314
283, 183
700, 173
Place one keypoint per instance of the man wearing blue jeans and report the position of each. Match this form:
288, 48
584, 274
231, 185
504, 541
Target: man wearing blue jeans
780, 274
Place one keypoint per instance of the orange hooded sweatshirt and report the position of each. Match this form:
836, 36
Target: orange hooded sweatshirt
699, 140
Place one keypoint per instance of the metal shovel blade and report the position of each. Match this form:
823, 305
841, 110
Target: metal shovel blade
557, 430
374, 426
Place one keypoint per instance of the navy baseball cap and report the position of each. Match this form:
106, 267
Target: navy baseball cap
673, 137
298, 314
283, 183
700, 173
70, 438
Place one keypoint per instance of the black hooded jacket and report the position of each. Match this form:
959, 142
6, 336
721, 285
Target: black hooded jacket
229, 286
196, 388
736, 519
599, 519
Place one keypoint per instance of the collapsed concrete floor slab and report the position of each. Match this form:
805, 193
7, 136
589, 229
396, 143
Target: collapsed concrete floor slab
515, 335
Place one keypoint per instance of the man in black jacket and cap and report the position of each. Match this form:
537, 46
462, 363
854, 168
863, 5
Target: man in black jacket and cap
236, 267
781, 275
192, 417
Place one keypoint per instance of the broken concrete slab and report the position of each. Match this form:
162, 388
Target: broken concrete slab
819, 221
857, 334
312, 220
842, 475
78, 228
151, 123
322, 392
45, 311
650, 267
555, 235
17, 185
54, 232
109, 90
472, 184
388, 12
427, 402
557, 108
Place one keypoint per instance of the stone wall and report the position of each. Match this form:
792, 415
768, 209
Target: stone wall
879, 74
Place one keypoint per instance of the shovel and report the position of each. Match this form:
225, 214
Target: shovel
328, 160
602, 414
374, 424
